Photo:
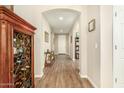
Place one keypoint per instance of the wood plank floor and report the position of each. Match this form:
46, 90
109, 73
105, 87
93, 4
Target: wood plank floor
62, 74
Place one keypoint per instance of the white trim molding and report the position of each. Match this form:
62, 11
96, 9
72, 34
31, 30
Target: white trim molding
38, 76
91, 81
82, 76
73, 59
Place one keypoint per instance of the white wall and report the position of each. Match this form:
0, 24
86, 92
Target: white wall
99, 46
56, 44
72, 33
93, 46
106, 13
52, 40
83, 42
67, 44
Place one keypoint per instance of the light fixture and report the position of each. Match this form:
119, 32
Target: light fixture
60, 18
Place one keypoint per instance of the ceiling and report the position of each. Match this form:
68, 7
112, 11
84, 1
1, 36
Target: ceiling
61, 20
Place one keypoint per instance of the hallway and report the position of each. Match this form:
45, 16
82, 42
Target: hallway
62, 74
30, 41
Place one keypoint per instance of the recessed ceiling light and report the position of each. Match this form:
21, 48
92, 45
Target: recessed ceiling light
60, 18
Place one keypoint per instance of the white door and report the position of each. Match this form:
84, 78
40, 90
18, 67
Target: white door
62, 44
118, 46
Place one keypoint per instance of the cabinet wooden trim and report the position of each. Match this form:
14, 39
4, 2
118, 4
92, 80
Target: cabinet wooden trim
3, 55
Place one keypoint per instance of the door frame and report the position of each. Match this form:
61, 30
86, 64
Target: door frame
114, 43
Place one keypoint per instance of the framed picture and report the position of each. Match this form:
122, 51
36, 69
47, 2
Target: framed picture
91, 25
46, 37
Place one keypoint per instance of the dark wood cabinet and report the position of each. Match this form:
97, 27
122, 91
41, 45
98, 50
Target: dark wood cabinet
16, 50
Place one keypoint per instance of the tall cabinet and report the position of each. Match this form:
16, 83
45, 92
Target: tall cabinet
16, 51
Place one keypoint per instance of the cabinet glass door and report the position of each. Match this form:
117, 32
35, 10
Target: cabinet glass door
22, 60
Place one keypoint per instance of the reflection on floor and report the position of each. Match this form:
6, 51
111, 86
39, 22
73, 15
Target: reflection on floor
62, 74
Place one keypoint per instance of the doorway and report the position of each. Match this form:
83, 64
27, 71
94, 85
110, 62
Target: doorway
62, 44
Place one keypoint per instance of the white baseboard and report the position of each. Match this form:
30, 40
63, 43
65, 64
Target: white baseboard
82, 76
73, 60
91, 81
38, 76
